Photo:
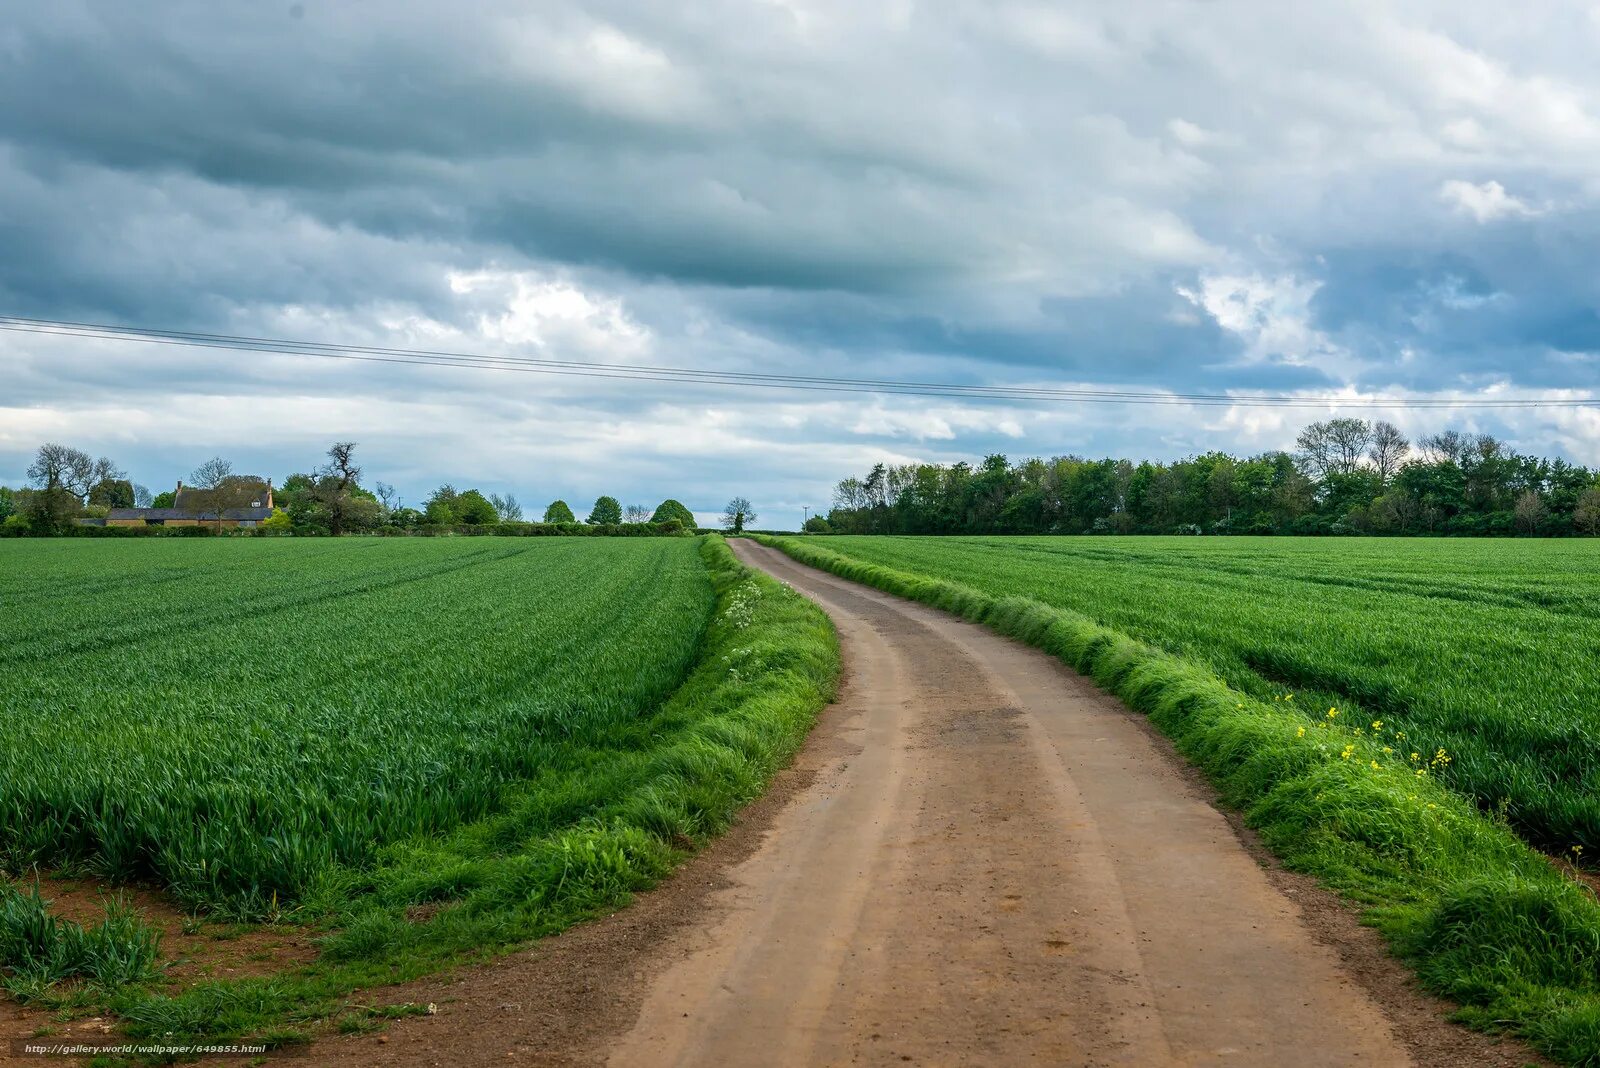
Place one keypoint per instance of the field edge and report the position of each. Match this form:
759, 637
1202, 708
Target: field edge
1484, 920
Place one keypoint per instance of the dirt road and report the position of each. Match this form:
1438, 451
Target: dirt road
979, 859
1008, 871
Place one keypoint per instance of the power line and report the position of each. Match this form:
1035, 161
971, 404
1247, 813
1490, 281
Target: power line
764, 380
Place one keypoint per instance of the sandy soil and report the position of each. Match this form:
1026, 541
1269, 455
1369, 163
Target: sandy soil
977, 859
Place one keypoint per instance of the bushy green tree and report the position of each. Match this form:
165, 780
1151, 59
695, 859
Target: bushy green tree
440, 509
671, 509
559, 512
112, 493
817, 525
473, 509
606, 510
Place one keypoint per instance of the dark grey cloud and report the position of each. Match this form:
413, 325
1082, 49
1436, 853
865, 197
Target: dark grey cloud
1223, 196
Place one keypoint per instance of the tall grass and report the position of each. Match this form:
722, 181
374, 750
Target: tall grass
1484, 919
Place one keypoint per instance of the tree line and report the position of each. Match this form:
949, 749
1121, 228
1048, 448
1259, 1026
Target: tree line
1346, 476
67, 485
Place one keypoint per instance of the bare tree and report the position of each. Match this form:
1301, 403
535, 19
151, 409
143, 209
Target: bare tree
141, 496
63, 477
737, 515
1447, 445
506, 508
215, 489
1529, 511
387, 496
636, 513
1388, 449
1334, 447
65, 468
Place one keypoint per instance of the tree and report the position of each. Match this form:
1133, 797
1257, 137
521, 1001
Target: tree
1529, 511
214, 489
671, 509
112, 493
8, 503
168, 499
473, 509
506, 508
62, 477
1388, 450
141, 497
559, 512
635, 513
817, 525
335, 488
1586, 516
1334, 447
388, 497
737, 514
1447, 446
440, 509
606, 510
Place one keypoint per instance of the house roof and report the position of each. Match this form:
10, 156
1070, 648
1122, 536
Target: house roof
161, 515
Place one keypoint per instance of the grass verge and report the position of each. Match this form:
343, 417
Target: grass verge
1484, 919
573, 845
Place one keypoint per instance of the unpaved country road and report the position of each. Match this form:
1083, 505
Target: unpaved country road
1008, 872
978, 859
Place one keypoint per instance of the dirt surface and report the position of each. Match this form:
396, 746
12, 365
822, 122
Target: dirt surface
978, 858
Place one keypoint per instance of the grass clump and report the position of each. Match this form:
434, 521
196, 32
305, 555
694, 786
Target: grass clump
39, 949
1482, 917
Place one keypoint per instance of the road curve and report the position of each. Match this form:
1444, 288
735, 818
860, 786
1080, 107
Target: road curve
998, 865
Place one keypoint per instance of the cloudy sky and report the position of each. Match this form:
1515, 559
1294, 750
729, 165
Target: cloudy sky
1338, 198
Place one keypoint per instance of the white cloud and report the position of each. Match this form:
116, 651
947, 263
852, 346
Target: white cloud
1486, 201
1271, 316
552, 314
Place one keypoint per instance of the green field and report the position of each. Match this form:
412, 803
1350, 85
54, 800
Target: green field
516, 733
1489, 650
234, 718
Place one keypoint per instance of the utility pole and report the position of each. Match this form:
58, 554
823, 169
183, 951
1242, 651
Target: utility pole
806, 510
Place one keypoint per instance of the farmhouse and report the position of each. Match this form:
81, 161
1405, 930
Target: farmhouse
242, 501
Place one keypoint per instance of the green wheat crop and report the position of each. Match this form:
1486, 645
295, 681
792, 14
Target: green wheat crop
236, 719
